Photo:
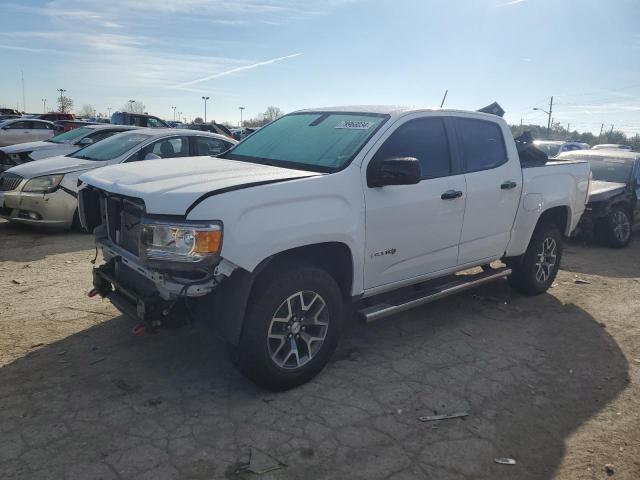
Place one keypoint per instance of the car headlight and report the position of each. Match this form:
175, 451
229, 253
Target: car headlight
20, 157
43, 184
180, 242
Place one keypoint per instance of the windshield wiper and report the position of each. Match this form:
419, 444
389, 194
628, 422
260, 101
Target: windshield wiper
82, 157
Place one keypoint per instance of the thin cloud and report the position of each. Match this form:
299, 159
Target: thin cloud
236, 70
512, 2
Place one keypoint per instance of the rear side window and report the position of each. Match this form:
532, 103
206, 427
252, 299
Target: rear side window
210, 146
424, 139
481, 143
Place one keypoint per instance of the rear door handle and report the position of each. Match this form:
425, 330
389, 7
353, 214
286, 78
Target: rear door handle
508, 185
451, 194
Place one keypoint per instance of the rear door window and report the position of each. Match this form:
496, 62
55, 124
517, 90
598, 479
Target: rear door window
424, 139
209, 146
481, 144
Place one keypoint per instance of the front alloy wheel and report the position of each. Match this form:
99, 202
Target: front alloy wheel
298, 329
619, 228
292, 325
546, 260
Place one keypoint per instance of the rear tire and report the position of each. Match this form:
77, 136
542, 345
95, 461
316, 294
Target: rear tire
616, 228
292, 326
535, 271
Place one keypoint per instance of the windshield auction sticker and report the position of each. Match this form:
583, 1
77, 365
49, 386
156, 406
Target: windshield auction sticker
354, 125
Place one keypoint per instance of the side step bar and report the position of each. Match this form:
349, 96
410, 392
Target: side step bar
416, 299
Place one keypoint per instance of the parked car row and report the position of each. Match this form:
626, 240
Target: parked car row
44, 192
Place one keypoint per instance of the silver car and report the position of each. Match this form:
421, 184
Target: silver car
63, 144
44, 192
20, 130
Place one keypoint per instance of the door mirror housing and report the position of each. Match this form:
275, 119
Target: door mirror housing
85, 141
151, 156
394, 171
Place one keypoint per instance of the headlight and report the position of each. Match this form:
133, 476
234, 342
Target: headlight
44, 184
184, 243
19, 157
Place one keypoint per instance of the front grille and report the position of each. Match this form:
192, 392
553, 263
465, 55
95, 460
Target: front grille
9, 181
124, 222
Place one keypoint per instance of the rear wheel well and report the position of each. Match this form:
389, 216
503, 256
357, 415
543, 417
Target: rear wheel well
558, 216
334, 257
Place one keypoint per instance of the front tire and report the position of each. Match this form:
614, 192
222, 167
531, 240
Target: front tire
617, 228
292, 326
536, 270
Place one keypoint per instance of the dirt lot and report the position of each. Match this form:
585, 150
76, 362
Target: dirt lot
552, 381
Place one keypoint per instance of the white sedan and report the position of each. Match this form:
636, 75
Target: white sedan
20, 130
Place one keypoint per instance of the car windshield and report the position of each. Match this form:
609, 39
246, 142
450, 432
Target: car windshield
551, 149
112, 147
71, 135
317, 141
611, 169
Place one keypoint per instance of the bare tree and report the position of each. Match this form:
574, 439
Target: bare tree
87, 111
272, 113
198, 120
65, 104
134, 107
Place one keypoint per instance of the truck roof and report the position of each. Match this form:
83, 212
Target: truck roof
392, 110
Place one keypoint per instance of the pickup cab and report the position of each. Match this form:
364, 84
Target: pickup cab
322, 212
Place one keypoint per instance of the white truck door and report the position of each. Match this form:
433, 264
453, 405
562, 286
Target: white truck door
494, 183
414, 230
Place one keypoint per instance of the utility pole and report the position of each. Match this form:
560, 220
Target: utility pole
109, 110
44, 105
174, 113
205, 108
61, 90
520, 121
548, 113
444, 98
24, 99
568, 127
241, 109
601, 127
131, 102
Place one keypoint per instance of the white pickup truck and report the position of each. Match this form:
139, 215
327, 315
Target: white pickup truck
375, 207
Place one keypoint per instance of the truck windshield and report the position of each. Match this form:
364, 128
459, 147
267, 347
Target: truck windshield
611, 169
112, 147
316, 141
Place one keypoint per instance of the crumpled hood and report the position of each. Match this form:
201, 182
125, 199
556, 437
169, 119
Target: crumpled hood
29, 147
171, 186
53, 165
601, 190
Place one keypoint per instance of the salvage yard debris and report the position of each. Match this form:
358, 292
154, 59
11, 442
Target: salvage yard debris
505, 461
261, 462
431, 418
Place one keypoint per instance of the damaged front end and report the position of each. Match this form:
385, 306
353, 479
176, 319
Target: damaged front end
152, 265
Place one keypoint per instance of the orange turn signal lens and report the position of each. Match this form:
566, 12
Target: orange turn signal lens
208, 241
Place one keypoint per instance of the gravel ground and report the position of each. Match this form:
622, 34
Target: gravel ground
551, 381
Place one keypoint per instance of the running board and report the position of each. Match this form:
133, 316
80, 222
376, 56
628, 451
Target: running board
428, 295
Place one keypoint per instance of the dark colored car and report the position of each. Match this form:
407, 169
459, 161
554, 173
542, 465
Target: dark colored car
213, 128
138, 120
54, 116
613, 209
10, 111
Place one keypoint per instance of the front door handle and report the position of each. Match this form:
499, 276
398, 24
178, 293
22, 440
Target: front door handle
451, 194
508, 185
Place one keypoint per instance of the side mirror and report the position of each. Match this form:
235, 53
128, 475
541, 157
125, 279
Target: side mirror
85, 141
394, 171
151, 156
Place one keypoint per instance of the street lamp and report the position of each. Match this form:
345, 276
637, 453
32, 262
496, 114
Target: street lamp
174, 113
131, 102
109, 110
44, 105
241, 109
205, 108
61, 90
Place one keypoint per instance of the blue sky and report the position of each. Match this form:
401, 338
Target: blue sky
300, 54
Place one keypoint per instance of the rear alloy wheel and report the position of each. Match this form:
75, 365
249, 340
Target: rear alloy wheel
617, 228
292, 325
535, 271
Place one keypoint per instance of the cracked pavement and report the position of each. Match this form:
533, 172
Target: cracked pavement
552, 381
